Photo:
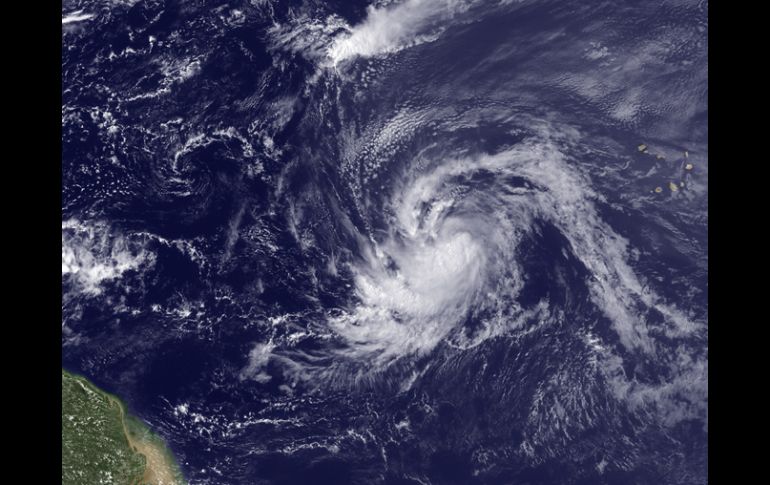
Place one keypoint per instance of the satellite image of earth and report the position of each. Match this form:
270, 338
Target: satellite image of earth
385, 241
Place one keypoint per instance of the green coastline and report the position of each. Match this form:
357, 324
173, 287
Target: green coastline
102, 443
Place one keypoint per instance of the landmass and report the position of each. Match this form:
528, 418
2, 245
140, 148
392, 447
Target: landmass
103, 444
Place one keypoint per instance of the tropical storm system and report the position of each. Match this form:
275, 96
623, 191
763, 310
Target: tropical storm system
385, 241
